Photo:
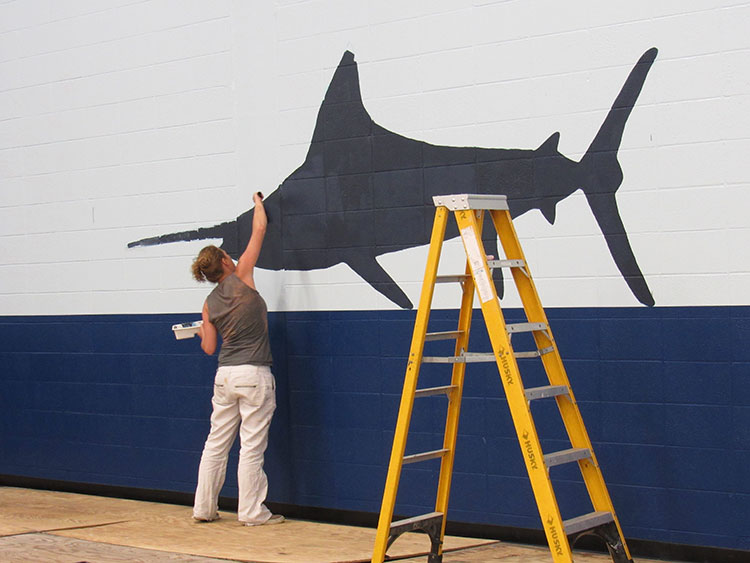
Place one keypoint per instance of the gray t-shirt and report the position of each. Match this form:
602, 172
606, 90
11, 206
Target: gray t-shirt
240, 315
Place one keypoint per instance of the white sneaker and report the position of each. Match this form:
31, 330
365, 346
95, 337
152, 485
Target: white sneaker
206, 519
274, 519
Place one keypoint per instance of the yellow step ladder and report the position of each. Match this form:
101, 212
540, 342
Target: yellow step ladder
469, 211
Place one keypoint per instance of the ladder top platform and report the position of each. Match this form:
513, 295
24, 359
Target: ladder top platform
456, 202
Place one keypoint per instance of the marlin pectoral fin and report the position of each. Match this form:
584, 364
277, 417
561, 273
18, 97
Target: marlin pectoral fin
548, 207
605, 211
373, 273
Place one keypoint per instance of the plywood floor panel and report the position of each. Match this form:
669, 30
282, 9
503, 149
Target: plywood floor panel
294, 541
171, 528
46, 548
54, 527
27, 510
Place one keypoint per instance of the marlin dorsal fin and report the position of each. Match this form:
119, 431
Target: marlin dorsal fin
549, 147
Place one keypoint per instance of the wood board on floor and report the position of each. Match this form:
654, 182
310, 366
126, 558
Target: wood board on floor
30, 510
46, 548
294, 541
170, 528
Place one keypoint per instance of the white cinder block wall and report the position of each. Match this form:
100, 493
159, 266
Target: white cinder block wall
125, 119
121, 120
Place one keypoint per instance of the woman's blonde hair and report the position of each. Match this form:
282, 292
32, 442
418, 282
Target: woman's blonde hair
207, 265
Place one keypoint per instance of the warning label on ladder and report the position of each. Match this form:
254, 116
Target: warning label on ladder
477, 265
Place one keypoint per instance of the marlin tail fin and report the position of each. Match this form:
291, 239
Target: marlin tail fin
601, 176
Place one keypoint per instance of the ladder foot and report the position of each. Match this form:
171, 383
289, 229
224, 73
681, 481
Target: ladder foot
609, 533
431, 524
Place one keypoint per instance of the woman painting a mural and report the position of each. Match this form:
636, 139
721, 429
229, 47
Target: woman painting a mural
244, 387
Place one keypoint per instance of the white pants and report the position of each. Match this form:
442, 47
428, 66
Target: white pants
244, 398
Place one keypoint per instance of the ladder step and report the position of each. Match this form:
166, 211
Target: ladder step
429, 391
566, 456
534, 353
475, 357
416, 522
414, 458
586, 522
525, 327
449, 278
448, 335
546, 391
493, 264
467, 358
506, 263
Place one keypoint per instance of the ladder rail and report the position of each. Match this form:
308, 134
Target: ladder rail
410, 385
454, 406
510, 376
553, 365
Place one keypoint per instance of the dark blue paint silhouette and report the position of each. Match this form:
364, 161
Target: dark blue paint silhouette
364, 191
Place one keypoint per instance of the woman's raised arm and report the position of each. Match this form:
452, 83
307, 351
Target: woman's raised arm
248, 259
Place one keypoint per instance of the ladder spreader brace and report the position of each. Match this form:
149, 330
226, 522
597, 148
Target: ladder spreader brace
469, 211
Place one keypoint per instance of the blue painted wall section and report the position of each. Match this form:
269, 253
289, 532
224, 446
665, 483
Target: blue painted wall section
665, 393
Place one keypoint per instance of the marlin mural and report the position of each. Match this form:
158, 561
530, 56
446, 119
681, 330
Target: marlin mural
364, 191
